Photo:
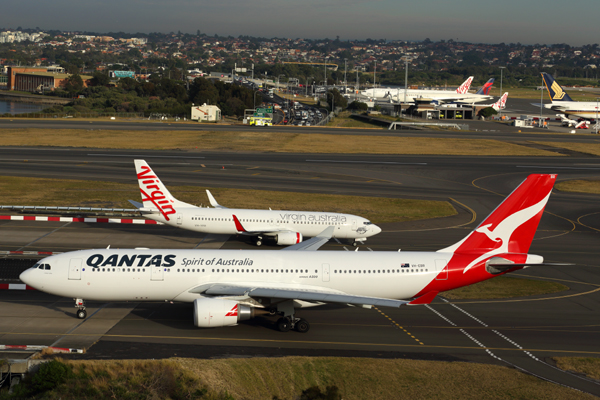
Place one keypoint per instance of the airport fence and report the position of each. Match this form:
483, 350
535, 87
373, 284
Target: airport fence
73, 115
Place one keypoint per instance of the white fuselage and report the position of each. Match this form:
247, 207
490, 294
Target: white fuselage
581, 109
156, 275
412, 94
309, 224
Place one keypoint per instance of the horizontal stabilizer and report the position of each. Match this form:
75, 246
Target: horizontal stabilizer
136, 204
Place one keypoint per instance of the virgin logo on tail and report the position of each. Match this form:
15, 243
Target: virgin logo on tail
233, 312
501, 104
152, 193
464, 88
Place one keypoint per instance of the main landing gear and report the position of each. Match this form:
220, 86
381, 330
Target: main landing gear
80, 304
284, 324
288, 321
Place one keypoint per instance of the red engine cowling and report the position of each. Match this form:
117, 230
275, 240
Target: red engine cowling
216, 312
288, 238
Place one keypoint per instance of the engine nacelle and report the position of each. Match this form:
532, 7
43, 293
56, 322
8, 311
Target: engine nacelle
288, 238
216, 312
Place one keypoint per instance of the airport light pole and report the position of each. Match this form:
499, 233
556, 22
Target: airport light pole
541, 105
278, 76
374, 78
306, 88
345, 69
597, 125
501, 93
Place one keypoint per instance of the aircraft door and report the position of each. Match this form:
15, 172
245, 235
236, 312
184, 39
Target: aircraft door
75, 269
440, 266
354, 224
158, 273
325, 272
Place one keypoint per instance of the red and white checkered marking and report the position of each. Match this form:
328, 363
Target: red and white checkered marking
79, 219
15, 286
37, 348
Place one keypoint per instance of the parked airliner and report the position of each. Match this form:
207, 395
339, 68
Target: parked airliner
284, 227
562, 102
439, 96
228, 286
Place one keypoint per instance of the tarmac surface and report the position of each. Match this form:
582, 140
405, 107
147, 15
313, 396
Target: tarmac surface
524, 333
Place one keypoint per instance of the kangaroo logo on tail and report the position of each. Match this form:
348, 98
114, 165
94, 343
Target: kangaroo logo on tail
509, 228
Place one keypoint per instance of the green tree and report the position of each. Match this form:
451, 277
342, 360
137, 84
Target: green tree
100, 79
73, 84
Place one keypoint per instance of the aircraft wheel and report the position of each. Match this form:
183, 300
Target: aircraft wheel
81, 314
302, 326
259, 242
284, 324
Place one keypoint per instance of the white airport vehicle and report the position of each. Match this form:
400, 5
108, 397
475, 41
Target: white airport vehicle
562, 102
573, 123
283, 227
229, 286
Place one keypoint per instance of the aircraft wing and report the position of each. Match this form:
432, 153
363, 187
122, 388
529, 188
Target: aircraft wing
310, 295
313, 244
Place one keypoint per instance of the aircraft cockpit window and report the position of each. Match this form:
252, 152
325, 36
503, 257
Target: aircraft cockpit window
47, 266
39, 266
368, 223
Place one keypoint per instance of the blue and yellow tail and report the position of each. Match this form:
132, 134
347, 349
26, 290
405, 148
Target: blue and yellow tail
555, 91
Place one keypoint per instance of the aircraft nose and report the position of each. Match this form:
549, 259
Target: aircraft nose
375, 229
26, 276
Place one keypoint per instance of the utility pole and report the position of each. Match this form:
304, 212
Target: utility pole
345, 69
501, 93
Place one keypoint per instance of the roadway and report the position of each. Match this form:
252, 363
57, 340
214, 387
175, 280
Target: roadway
524, 333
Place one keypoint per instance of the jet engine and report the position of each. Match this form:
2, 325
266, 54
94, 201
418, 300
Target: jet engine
288, 238
216, 312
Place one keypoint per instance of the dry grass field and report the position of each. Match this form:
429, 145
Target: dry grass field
266, 140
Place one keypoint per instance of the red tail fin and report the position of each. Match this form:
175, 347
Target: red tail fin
511, 226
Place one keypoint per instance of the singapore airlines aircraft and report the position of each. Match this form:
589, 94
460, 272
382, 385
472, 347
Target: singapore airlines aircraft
284, 227
228, 286
563, 103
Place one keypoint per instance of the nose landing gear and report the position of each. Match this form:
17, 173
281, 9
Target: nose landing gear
80, 304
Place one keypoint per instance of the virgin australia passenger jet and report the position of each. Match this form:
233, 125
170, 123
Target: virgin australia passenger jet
285, 227
228, 286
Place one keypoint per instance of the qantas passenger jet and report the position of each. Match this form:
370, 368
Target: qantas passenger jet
228, 286
284, 227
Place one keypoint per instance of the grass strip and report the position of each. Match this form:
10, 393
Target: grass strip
579, 186
264, 140
587, 148
504, 287
587, 366
79, 193
288, 377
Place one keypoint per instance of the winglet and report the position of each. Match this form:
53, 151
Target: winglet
212, 200
425, 299
238, 224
